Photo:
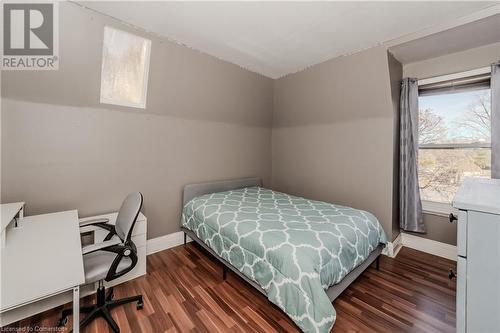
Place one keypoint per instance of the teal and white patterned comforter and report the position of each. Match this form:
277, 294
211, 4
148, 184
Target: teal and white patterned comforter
292, 247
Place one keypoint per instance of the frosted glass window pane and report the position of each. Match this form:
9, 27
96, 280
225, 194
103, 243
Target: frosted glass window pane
125, 66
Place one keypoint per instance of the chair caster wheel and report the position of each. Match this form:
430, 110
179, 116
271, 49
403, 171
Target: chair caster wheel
62, 322
140, 305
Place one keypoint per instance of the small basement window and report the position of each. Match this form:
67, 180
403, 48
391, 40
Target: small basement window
125, 68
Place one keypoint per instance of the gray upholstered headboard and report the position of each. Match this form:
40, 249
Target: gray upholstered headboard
194, 190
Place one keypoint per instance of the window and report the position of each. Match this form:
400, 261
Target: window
125, 67
454, 136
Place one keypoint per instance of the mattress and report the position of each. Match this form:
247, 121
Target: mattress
294, 248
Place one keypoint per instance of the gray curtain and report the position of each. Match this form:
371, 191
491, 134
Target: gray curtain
495, 120
410, 206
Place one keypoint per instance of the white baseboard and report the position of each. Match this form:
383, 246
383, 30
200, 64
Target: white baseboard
398, 244
392, 248
429, 246
418, 243
165, 242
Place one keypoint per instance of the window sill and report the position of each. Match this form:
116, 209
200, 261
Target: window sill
121, 103
437, 208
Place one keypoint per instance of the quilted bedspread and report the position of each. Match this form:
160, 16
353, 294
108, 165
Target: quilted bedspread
292, 247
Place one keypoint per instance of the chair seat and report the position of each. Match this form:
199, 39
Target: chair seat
97, 264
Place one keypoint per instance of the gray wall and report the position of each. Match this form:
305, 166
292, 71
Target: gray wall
205, 119
332, 136
333, 133
438, 227
454, 62
395, 77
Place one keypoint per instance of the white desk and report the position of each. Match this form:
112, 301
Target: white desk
42, 258
7, 213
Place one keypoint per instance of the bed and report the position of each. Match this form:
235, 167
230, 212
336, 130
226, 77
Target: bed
300, 253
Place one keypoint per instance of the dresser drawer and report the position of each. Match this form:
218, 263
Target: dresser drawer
483, 272
461, 294
462, 233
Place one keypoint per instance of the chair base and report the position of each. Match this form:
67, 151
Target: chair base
105, 303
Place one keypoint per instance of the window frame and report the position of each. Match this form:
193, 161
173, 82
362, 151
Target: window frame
445, 208
145, 83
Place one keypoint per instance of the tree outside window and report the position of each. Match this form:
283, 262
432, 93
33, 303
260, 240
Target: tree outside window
454, 141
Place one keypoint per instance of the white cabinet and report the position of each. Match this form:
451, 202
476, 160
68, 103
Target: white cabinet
138, 237
461, 293
478, 262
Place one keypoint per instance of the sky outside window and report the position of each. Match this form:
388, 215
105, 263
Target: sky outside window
460, 115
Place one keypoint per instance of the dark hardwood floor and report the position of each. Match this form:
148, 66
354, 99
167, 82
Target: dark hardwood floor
184, 292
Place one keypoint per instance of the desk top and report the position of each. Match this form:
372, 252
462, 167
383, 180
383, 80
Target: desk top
479, 194
8, 212
42, 257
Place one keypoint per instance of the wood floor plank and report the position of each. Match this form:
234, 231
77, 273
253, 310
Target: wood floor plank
184, 292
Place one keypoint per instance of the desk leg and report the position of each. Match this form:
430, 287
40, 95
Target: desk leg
76, 309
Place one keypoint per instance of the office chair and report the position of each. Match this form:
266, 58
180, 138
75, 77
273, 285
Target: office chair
106, 261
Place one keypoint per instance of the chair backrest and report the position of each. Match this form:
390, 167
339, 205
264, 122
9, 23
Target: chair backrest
127, 215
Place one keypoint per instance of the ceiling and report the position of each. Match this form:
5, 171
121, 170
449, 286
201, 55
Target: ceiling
278, 38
